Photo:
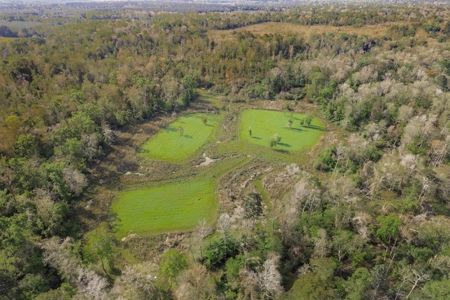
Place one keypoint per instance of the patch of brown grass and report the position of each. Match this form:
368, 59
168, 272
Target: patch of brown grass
374, 31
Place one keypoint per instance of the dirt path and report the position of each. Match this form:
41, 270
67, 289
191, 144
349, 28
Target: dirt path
125, 238
207, 161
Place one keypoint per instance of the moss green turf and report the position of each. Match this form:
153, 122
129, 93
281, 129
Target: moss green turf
180, 206
170, 145
171, 207
265, 123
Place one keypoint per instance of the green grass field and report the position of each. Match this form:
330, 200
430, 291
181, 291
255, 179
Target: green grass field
170, 145
171, 207
264, 124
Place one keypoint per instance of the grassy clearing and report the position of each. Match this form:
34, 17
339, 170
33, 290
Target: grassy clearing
15, 25
178, 203
171, 207
172, 145
150, 208
7, 39
264, 124
204, 95
375, 31
258, 184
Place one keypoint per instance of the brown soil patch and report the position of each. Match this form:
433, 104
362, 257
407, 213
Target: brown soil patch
128, 237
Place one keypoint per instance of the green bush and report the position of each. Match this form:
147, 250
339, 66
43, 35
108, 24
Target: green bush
217, 251
275, 140
326, 161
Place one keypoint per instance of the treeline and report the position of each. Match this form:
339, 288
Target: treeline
6, 32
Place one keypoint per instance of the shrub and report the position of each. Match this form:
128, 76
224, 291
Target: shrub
275, 140
216, 252
326, 160
252, 205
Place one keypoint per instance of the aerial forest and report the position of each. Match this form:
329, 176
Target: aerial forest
290, 153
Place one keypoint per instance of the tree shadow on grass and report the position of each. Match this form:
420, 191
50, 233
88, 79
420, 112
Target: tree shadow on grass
297, 129
317, 128
114, 221
170, 129
284, 144
282, 151
256, 137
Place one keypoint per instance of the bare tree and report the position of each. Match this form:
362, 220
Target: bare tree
224, 223
91, 143
361, 221
366, 74
200, 233
321, 244
249, 284
270, 277
75, 180
109, 135
44, 204
89, 284
405, 113
414, 277
440, 148
194, 283
419, 130
138, 279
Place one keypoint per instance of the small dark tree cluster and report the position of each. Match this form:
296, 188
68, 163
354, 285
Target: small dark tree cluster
306, 121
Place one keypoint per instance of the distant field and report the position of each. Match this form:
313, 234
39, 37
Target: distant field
16, 25
286, 28
173, 207
170, 145
264, 124
6, 38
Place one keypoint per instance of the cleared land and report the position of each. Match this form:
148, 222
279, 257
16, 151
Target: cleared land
374, 31
289, 28
174, 206
15, 25
171, 207
264, 124
180, 139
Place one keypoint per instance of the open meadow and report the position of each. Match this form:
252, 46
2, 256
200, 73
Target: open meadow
149, 209
284, 29
264, 124
166, 208
180, 139
175, 206
288, 28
